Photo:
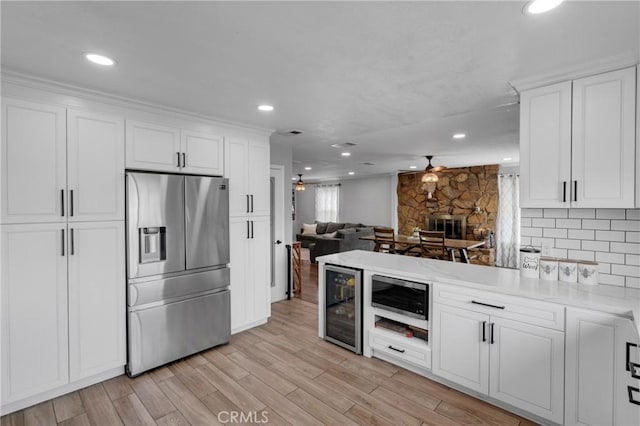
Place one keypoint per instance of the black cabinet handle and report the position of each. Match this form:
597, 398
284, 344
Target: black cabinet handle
71, 203
178, 155
484, 331
627, 360
251, 203
62, 239
184, 160
247, 195
492, 341
72, 241
396, 349
575, 190
631, 390
487, 305
247, 229
564, 191
62, 202
252, 230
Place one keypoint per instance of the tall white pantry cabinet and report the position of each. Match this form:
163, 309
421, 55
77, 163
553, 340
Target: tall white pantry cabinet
62, 290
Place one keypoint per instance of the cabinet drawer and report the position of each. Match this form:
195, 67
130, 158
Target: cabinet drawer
411, 350
528, 311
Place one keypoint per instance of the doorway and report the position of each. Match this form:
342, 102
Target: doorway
279, 284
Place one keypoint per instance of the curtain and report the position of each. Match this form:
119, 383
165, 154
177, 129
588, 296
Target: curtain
508, 225
327, 198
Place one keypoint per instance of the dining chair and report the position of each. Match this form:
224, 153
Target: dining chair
432, 245
384, 239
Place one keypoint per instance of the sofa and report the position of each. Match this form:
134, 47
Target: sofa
332, 237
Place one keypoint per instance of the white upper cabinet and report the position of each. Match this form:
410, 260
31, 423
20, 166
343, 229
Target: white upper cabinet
95, 151
168, 149
247, 167
202, 153
152, 147
545, 146
33, 162
603, 140
577, 143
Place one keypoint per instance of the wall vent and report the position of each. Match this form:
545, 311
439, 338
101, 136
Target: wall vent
343, 145
369, 164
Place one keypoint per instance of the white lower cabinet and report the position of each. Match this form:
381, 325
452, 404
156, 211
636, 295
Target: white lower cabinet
250, 271
63, 306
599, 347
512, 361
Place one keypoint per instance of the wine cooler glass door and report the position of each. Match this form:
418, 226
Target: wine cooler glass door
342, 307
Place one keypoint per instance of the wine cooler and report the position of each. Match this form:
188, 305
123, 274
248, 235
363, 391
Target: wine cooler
343, 307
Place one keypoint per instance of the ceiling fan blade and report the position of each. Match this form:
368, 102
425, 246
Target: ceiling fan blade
438, 169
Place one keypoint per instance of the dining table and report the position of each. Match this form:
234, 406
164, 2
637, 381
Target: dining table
408, 242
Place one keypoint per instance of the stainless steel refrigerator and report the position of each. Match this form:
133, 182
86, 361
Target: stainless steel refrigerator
177, 267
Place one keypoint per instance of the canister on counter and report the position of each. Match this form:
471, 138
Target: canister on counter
549, 268
529, 262
568, 270
588, 273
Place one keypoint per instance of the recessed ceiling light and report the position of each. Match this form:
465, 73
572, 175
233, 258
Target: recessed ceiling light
507, 159
540, 6
99, 59
352, 173
459, 136
345, 154
413, 167
265, 107
307, 168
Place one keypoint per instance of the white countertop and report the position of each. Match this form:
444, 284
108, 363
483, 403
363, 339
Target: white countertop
605, 298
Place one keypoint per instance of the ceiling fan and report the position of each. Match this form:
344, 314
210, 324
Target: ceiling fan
429, 169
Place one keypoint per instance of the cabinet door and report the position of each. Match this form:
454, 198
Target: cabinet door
34, 173
545, 146
95, 152
240, 265
34, 310
527, 367
259, 178
603, 141
260, 258
596, 377
152, 147
461, 347
96, 298
237, 171
203, 153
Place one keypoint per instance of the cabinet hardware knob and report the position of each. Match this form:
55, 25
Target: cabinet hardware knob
396, 349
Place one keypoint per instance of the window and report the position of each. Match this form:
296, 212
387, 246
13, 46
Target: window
327, 198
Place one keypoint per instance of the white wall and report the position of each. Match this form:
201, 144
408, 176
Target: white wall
282, 155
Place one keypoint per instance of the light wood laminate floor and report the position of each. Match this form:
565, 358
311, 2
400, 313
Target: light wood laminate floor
281, 371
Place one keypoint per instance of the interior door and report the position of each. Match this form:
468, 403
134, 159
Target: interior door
278, 248
155, 227
206, 221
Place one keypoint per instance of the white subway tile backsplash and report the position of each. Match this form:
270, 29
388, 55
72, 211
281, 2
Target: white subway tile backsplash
569, 223
582, 213
543, 223
554, 233
531, 212
610, 236
629, 248
628, 270
610, 214
595, 245
568, 244
556, 213
612, 279
582, 255
625, 225
633, 214
581, 234
610, 257
596, 224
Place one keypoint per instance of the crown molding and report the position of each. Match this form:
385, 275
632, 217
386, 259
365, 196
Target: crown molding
585, 69
14, 78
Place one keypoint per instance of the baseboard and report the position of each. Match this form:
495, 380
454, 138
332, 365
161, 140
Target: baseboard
54, 393
249, 325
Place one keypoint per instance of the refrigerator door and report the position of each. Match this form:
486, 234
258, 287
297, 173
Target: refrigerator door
155, 224
206, 221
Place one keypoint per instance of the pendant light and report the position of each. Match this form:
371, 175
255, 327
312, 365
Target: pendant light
300, 183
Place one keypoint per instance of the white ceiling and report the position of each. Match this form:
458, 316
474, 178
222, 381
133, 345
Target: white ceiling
397, 78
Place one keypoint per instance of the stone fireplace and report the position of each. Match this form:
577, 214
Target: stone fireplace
453, 226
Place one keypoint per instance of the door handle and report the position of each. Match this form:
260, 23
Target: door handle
575, 190
62, 202
71, 203
564, 191
252, 230
72, 242
184, 160
492, 341
278, 242
484, 333
251, 203
396, 349
62, 239
178, 155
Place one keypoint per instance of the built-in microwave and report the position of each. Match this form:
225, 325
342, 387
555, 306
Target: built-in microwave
404, 297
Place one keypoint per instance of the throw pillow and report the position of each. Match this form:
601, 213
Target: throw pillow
308, 229
333, 227
322, 227
331, 234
